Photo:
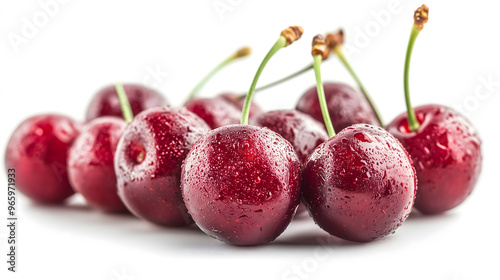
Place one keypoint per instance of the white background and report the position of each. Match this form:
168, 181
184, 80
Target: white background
85, 45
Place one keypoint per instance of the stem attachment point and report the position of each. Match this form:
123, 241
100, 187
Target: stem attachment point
421, 16
319, 47
292, 34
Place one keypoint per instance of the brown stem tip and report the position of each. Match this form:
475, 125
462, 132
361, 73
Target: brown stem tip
242, 52
319, 47
421, 16
292, 34
335, 39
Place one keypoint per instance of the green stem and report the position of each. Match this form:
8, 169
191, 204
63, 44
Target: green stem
289, 77
125, 105
240, 53
413, 123
205, 79
248, 100
338, 51
321, 95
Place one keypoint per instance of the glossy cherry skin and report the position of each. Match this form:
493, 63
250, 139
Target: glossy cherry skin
446, 152
301, 130
240, 102
148, 163
346, 105
240, 184
360, 185
90, 165
105, 102
215, 111
221, 110
38, 151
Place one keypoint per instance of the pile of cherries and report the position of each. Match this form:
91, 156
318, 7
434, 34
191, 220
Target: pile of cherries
242, 183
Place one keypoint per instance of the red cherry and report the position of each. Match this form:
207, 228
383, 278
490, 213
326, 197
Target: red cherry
106, 103
148, 163
90, 165
446, 151
38, 151
215, 111
359, 185
444, 146
301, 130
241, 184
346, 105
239, 102
221, 110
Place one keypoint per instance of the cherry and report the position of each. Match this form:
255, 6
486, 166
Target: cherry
302, 131
38, 151
359, 185
224, 109
446, 151
106, 103
215, 111
240, 182
443, 144
221, 110
90, 164
148, 163
91, 158
239, 102
346, 105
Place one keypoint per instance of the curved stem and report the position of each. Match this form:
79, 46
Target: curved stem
289, 77
205, 79
338, 51
240, 53
125, 105
248, 100
413, 123
321, 95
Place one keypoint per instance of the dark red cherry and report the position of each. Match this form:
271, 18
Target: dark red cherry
38, 151
444, 146
301, 130
239, 102
240, 184
148, 163
105, 102
360, 185
90, 165
221, 110
346, 106
215, 111
446, 152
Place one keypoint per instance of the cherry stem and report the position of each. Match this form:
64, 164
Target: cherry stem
413, 123
282, 42
238, 54
124, 103
289, 77
338, 51
321, 95
420, 17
